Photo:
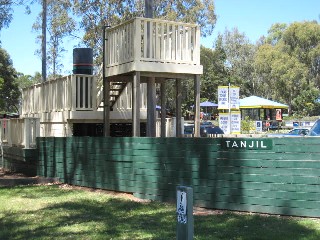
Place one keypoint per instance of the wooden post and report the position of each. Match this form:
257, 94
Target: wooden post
151, 87
8, 131
136, 105
178, 108
163, 109
106, 90
37, 127
26, 132
197, 105
151, 109
93, 93
73, 92
185, 220
106, 107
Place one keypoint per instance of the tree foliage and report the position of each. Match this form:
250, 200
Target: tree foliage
9, 91
5, 13
239, 60
215, 72
288, 63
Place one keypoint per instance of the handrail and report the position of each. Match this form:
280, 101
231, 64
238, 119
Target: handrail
73, 92
21, 132
152, 40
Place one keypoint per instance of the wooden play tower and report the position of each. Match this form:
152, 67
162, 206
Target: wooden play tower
152, 51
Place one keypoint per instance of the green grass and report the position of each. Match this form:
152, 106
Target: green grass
51, 212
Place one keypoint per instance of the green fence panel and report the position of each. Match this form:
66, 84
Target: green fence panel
270, 175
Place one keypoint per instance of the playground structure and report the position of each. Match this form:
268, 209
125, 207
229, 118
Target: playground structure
140, 55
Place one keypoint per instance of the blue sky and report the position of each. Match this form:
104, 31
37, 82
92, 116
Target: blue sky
251, 17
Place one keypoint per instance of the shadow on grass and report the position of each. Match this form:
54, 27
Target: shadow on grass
253, 226
58, 214
85, 218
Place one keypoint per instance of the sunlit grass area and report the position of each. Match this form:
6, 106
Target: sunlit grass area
53, 212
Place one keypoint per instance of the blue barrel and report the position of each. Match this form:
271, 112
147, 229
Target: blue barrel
83, 61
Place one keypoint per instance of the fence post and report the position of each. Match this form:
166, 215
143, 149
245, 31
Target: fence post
37, 128
26, 132
9, 131
31, 130
184, 213
73, 92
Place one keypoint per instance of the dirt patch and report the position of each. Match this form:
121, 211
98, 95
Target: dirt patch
124, 195
11, 175
10, 179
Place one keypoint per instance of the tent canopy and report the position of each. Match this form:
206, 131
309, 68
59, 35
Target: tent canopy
258, 102
208, 104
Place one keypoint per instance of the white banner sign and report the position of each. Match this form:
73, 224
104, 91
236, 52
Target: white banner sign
224, 122
235, 122
223, 97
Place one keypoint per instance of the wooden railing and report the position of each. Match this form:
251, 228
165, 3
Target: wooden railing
20, 132
74, 92
153, 40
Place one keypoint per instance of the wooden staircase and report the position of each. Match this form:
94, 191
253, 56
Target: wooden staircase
116, 88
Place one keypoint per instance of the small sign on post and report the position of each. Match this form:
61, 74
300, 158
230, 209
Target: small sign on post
184, 213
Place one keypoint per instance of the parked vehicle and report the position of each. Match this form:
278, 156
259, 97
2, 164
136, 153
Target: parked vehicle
205, 129
299, 131
296, 132
315, 130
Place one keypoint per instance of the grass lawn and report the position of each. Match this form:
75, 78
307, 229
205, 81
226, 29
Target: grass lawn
57, 212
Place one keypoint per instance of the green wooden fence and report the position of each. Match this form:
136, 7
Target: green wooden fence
269, 175
17, 159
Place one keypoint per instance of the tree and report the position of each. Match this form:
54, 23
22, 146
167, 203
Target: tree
59, 25
302, 41
9, 91
262, 66
215, 72
275, 33
191, 11
290, 76
5, 13
288, 64
24, 81
239, 60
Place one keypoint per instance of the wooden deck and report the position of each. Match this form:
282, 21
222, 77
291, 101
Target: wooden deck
162, 48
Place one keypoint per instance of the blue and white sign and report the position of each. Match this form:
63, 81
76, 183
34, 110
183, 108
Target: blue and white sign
234, 97
223, 97
258, 126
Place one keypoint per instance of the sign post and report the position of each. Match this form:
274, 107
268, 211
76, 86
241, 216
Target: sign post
184, 213
228, 99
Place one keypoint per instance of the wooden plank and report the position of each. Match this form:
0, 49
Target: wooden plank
239, 198
186, 173
204, 163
